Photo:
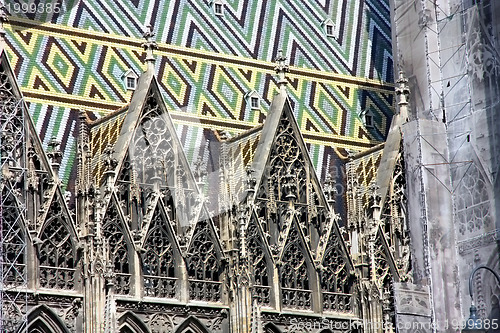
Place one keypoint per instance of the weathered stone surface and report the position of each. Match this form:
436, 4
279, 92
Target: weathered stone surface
412, 299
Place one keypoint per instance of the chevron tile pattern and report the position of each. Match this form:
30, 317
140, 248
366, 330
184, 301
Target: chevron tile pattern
359, 46
364, 169
206, 65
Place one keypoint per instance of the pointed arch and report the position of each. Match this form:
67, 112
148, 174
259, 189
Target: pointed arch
295, 271
271, 328
151, 150
336, 284
385, 267
335, 277
161, 322
13, 242
284, 172
395, 229
57, 251
394, 201
473, 209
159, 259
191, 325
204, 263
283, 153
129, 322
43, 320
150, 154
261, 263
119, 248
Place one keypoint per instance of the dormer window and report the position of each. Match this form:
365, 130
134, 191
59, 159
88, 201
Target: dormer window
329, 27
254, 102
329, 30
367, 116
253, 99
130, 79
218, 7
131, 83
368, 120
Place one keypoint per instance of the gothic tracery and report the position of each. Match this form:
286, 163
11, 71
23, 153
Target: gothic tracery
203, 266
294, 274
259, 261
152, 249
57, 253
158, 261
113, 233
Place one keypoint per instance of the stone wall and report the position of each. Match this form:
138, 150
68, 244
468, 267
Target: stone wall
449, 51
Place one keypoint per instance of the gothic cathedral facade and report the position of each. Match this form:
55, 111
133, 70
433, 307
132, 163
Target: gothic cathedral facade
143, 251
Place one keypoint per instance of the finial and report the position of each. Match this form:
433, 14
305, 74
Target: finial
149, 46
251, 181
3, 19
374, 191
402, 90
54, 154
200, 171
330, 190
109, 161
281, 69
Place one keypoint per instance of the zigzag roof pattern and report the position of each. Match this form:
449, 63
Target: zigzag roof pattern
252, 29
77, 58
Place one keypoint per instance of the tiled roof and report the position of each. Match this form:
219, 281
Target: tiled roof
206, 64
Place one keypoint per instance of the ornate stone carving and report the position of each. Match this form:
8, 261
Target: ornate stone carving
261, 278
113, 233
472, 206
294, 275
203, 266
57, 253
158, 262
335, 282
160, 323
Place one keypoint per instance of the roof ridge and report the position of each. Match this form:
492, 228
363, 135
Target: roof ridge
244, 134
92, 123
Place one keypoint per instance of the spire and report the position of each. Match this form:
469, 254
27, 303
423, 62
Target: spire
281, 69
149, 46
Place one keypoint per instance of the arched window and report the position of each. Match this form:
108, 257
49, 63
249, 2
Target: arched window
44, 320
472, 202
335, 284
287, 165
118, 250
191, 325
203, 265
294, 274
151, 152
261, 291
158, 262
13, 243
57, 252
130, 323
